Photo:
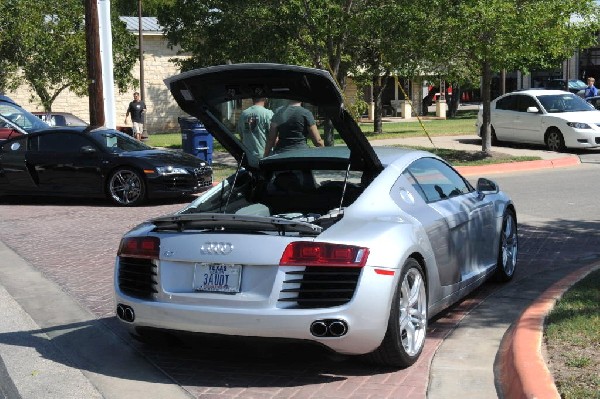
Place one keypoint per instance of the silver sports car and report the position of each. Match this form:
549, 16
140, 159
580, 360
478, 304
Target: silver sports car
349, 246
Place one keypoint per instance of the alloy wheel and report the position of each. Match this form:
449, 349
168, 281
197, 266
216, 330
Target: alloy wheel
509, 245
554, 142
413, 312
126, 187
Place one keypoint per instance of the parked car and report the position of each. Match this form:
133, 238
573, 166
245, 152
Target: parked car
78, 161
60, 119
594, 101
577, 86
553, 118
68, 119
351, 247
15, 121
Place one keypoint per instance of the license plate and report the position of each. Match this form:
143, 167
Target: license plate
217, 277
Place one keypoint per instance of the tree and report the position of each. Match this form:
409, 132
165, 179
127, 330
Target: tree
393, 38
311, 33
367, 38
44, 42
514, 35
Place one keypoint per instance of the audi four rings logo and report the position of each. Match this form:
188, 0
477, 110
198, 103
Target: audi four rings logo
216, 248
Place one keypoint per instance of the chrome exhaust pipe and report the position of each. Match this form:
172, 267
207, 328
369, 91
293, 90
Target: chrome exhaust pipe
318, 328
337, 328
129, 314
121, 312
125, 313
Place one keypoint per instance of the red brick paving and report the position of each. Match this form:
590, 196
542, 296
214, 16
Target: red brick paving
73, 242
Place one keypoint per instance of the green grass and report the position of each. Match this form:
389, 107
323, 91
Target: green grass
572, 335
221, 172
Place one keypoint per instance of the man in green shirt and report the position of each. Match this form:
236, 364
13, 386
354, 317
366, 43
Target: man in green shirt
253, 126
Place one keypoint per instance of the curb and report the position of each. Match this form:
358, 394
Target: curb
523, 370
519, 166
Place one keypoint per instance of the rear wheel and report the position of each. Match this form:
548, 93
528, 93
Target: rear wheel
507, 254
405, 335
555, 140
126, 187
495, 140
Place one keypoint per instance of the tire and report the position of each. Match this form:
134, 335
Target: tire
508, 248
555, 140
495, 141
407, 326
126, 187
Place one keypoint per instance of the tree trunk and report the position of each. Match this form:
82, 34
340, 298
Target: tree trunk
379, 83
486, 87
454, 100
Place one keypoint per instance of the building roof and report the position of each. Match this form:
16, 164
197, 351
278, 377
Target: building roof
149, 25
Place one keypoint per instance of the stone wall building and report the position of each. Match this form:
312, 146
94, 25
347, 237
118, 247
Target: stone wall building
162, 110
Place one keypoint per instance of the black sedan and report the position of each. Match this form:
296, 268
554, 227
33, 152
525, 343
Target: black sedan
78, 161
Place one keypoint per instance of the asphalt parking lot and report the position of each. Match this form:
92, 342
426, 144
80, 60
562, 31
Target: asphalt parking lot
73, 243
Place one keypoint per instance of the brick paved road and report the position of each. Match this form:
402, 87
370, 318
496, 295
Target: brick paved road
73, 242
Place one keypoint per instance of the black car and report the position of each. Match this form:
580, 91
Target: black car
595, 101
79, 161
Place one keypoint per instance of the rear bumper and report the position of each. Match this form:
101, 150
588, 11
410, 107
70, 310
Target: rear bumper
363, 336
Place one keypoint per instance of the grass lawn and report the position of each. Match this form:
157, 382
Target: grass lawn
572, 336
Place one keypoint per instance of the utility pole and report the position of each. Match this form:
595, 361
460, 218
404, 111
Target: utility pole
141, 45
94, 63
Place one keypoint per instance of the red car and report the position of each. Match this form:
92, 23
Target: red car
68, 119
15, 121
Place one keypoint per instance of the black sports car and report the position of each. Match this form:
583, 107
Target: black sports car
79, 161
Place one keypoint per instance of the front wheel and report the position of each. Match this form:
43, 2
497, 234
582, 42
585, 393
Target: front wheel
507, 254
405, 335
555, 141
126, 187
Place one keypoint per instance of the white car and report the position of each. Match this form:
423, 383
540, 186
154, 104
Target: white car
554, 118
351, 247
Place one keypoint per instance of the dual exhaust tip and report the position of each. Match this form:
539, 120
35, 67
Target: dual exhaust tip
126, 313
328, 328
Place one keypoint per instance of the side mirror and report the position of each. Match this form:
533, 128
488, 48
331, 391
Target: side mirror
533, 110
487, 186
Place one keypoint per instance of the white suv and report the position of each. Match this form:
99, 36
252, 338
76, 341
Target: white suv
555, 118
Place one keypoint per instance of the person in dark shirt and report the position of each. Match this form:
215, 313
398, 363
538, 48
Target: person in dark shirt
291, 126
136, 109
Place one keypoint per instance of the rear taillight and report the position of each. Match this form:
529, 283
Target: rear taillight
140, 247
305, 253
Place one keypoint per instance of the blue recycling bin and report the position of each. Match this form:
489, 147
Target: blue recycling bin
195, 139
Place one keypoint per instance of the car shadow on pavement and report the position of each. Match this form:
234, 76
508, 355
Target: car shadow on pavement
85, 201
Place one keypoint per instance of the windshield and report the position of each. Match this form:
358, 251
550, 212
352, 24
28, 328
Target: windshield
567, 102
117, 142
13, 114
